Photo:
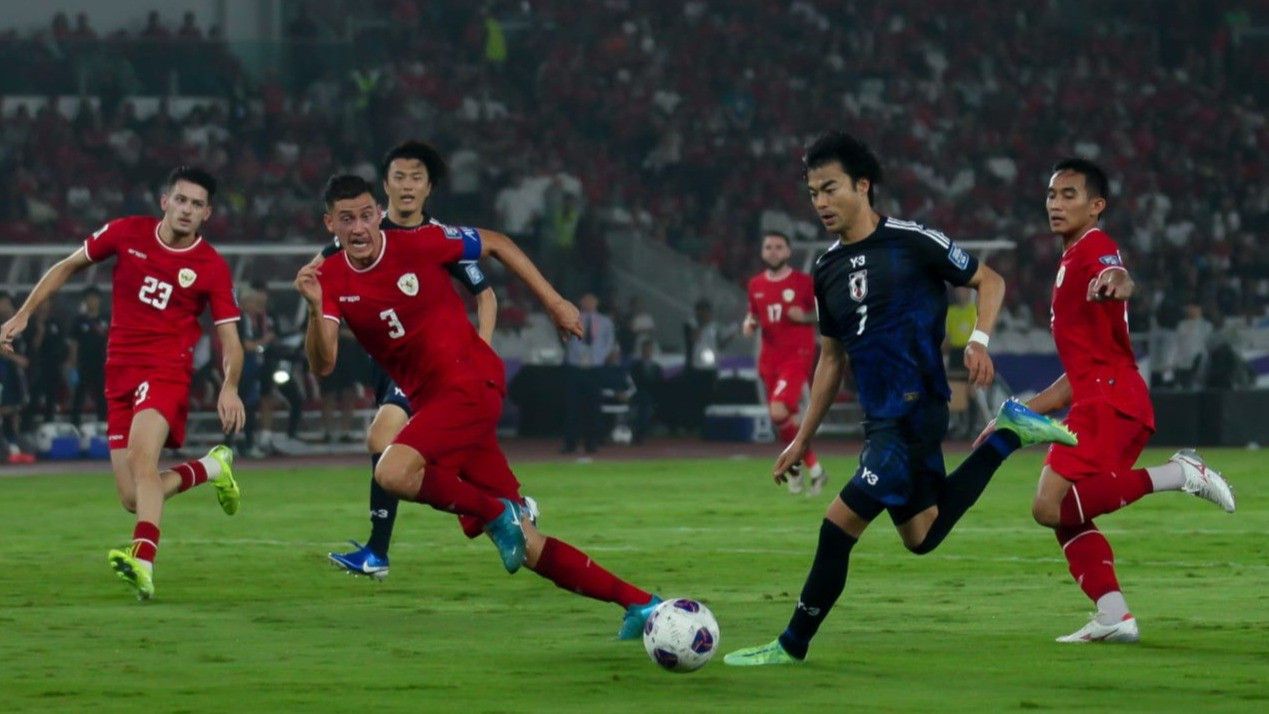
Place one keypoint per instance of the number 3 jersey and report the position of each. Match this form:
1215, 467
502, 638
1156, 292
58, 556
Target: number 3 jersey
783, 340
158, 294
404, 310
885, 299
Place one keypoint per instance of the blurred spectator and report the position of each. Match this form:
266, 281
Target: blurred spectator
13, 366
45, 375
702, 339
583, 359
649, 379
1190, 351
88, 356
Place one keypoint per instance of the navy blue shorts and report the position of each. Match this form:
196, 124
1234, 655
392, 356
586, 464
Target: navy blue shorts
387, 391
901, 467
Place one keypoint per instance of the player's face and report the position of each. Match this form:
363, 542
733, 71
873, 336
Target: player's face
1070, 209
775, 252
355, 221
185, 207
839, 200
407, 185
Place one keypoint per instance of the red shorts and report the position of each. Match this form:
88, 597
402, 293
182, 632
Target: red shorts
457, 431
1110, 440
131, 391
784, 382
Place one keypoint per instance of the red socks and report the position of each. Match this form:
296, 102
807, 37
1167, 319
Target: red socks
1090, 559
1103, 494
192, 473
573, 570
787, 430
145, 541
443, 490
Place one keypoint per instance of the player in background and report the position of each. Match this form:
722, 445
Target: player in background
882, 296
1110, 405
165, 274
391, 288
409, 171
782, 306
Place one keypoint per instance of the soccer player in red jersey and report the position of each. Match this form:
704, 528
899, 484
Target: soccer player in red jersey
392, 289
1110, 404
782, 306
165, 274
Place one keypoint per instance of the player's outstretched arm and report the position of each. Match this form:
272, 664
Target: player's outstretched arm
1113, 283
827, 380
563, 313
486, 314
749, 326
321, 339
232, 413
51, 282
991, 296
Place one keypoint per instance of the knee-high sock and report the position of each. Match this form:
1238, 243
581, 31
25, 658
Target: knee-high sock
963, 486
573, 570
824, 584
1091, 561
383, 513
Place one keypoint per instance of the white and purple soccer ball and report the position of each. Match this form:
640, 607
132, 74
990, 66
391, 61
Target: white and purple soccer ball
681, 635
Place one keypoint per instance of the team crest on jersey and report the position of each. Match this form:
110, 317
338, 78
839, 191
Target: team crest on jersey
859, 285
787, 294
409, 284
186, 277
1061, 275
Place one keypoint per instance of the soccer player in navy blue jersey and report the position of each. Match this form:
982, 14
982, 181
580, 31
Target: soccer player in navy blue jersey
881, 291
410, 171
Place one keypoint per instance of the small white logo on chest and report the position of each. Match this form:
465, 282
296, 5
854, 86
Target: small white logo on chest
135, 252
186, 277
787, 294
349, 298
409, 284
1061, 275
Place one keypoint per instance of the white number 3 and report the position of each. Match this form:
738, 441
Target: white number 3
395, 328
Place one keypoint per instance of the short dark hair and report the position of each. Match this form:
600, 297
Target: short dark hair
778, 234
856, 158
91, 290
1095, 182
194, 175
344, 186
422, 151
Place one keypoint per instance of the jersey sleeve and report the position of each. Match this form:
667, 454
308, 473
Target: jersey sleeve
948, 260
807, 296
330, 302
829, 326
105, 242
331, 248
1105, 256
753, 302
448, 244
224, 303
470, 275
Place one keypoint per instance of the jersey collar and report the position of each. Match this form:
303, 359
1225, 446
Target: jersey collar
383, 250
198, 238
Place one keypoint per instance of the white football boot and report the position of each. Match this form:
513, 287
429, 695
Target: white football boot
1202, 481
1124, 632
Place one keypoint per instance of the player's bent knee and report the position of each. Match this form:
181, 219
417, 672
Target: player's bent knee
1047, 514
779, 412
395, 478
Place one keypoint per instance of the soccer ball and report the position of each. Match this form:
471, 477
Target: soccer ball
681, 635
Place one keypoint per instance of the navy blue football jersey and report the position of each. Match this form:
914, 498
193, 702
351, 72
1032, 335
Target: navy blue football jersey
885, 299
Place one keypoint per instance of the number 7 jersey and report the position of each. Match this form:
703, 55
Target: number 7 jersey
404, 311
157, 295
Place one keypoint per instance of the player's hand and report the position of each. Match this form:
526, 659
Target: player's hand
789, 461
1110, 285
796, 314
567, 318
10, 330
232, 413
307, 285
981, 370
748, 326
987, 431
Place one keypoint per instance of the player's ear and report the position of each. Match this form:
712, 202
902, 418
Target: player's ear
1097, 205
329, 221
163, 202
862, 185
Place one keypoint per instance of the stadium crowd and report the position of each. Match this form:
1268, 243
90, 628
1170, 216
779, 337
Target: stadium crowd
685, 121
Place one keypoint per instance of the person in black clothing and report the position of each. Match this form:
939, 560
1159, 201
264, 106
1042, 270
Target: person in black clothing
49, 352
649, 380
88, 356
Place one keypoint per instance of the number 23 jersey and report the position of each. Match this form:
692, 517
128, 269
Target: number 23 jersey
158, 294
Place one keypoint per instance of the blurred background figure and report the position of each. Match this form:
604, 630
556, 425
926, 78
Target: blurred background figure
88, 356
648, 378
583, 359
13, 367
962, 316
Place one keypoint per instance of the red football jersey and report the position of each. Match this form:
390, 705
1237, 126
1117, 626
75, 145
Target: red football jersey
769, 301
158, 293
1092, 336
404, 310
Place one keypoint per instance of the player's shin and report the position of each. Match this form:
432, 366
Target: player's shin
824, 585
571, 569
963, 486
383, 513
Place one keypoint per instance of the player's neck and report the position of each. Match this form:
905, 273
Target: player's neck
780, 274
866, 226
170, 239
1075, 236
405, 220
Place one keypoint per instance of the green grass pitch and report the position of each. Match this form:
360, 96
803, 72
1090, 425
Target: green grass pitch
250, 618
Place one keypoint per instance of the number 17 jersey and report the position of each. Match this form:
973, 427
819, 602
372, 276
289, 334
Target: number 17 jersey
783, 340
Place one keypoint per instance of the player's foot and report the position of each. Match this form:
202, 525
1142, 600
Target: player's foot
771, 653
133, 572
362, 561
819, 478
794, 481
1032, 427
635, 618
530, 507
227, 491
1124, 632
1203, 481
507, 534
